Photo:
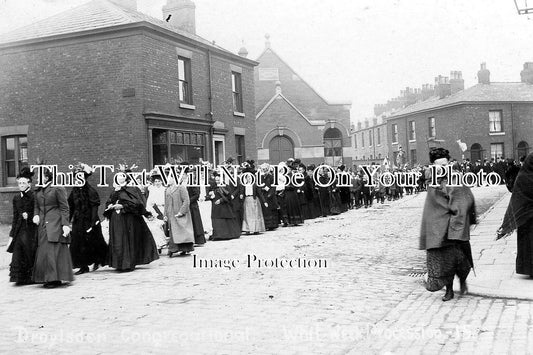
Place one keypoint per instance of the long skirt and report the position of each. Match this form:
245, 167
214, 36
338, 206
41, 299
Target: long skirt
156, 227
294, 212
253, 216
88, 248
53, 261
524, 255
21, 267
271, 217
225, 229
180, 247
446, 262
130, 242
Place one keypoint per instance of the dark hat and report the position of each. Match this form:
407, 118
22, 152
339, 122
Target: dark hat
438, 153
229, 161
25, 172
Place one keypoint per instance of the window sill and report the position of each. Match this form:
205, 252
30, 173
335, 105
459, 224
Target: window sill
412, 140
187, 106
496, 133
9, 189
238, 114
393, 143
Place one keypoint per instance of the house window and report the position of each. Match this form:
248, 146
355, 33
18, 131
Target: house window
362, 140
236, 88
355, 141
240, 148
379, 136
495, 121
496, 150
431, 127
413, 157
394, 133
14, 157
412, 131
184, 77
370, 138
175, 147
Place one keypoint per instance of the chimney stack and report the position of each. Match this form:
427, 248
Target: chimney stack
128, 4
366, 123
374, 121
483, 75
526, 75
182, 14
442, 86
359, 125
243, 52
379, 109
456, 82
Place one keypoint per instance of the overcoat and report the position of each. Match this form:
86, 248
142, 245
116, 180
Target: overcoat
51, 206
177, 201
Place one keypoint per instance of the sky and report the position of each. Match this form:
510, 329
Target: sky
363, 51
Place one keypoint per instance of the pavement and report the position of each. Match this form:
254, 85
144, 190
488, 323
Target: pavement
359, 291
494, 260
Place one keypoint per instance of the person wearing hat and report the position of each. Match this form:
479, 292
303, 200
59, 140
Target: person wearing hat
23, 243
178, 215
270, 211
88, 244
252, 221
445, 231
155, 204
53, 263
223, 220
130, 240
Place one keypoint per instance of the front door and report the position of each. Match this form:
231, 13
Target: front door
280, 149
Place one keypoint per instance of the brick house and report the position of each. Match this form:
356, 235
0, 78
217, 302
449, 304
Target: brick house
104, 84
369, 141
293, 120
493, 119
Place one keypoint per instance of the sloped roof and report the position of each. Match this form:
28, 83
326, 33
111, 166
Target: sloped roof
311, 122
493, 92
96, 14
269, 49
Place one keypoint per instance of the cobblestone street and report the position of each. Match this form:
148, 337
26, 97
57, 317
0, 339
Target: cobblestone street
365, 300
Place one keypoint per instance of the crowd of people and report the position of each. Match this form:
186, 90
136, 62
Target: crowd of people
54, 232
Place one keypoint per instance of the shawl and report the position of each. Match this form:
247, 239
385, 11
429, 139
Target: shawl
520, 209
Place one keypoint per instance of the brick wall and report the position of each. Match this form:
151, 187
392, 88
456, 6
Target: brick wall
470, 123
71, 96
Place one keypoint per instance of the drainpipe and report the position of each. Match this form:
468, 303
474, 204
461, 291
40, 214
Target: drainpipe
513, 134
212, 130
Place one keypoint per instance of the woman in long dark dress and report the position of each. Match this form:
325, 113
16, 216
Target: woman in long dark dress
519, 216
24, 242
225, 225
88, 245
53, 263
270, 211
130, 240
198, 226
292, 203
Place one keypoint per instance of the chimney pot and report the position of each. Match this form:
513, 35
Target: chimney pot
526, 75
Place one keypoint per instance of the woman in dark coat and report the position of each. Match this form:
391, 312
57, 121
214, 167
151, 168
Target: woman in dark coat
445, 231
303, 194
88, 244
324, 193
292, 203
53, 263
130, 240
198, 226
270, 213
519, 216
24, 242
225, 225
